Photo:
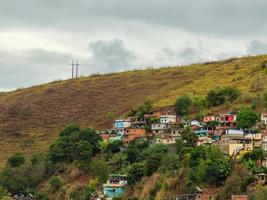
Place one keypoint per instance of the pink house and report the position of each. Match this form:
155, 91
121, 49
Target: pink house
209, 118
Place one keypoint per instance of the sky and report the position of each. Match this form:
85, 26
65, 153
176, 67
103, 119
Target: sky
39, 38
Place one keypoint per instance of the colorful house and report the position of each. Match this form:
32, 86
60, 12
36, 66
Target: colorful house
210, 118
115, 186
227, 120
122, 123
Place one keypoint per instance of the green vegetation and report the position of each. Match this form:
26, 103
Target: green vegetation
246, 118
75, 145
219, 96
182, 105
16, 160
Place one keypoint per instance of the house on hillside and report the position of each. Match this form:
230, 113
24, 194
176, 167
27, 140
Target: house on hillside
169, 137
239, 197
256, 139
154, 114
167, 119
209, 118
115, 185
122, 123
228, 121
234, 141
159, 128
132, 134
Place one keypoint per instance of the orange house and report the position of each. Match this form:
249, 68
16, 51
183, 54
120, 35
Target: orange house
239, 197
135, 131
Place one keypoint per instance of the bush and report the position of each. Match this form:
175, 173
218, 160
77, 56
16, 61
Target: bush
246, 118
182, 105
75, 145
220, 96
55, 183
16, 160
135, 172
144, 109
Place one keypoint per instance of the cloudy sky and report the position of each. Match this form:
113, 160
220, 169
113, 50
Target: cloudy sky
39, 38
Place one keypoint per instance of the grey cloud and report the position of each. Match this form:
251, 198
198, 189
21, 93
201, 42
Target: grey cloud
219, 17
257, 47
25, 68
186, 55
111, 55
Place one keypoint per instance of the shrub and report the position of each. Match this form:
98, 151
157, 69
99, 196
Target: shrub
182, 105
220, 96
135, 172
247, 118
55, 183
144, 109
16, 160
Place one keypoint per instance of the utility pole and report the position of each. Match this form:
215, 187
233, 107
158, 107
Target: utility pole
77, 68
72, 70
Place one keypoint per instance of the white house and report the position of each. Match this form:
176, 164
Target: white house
166, 119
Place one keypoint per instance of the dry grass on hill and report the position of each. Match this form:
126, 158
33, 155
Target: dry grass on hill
31, 118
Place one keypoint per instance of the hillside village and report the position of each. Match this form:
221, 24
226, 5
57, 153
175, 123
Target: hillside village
165, 127
139, 145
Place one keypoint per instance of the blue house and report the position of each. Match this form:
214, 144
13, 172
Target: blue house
115, 186
121, 124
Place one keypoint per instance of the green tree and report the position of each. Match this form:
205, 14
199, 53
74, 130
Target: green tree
189, 137
16, 160
69, 130
217, 171
144, 109
182, 105
101, 169
246, 118
135, 172
219, 96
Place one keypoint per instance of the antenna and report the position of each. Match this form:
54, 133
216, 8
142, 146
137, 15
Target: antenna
72, 70
77, 68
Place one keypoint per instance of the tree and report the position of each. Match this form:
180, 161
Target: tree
189, 137
100, 168
114, 147
16, 160
247, 118
69, 130
219, 96
182, 105
217, 171
135, 172
144, 109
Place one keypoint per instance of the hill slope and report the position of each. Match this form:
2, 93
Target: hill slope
31, 118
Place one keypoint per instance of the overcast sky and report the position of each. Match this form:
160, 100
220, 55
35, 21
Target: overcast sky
39, 38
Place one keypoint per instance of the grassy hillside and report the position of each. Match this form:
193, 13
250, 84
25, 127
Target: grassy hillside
30, 118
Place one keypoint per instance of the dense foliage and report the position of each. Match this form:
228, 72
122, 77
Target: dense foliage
219, 96
75, 145
246, 118
182, 105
